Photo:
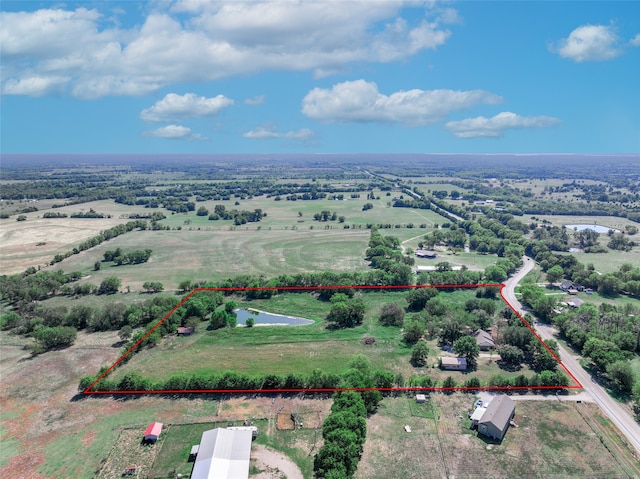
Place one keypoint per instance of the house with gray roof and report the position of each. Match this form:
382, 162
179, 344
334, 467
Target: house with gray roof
495, 420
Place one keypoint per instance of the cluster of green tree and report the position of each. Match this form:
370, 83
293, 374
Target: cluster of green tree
367, 206
359, 375
609, 335
620, 242
438, 318
50, 214
443, 208
153, 286
313, 195
452, 236
77, 185
388, 226
533, 382
346, 312
224, 317
48, 338
326, 215
384, 253
120, 258
105, 235
239, 217
155, 216
520, 345
89, 214
444, 274
344, 432
21, 289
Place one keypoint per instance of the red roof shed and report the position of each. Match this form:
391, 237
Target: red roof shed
152, 433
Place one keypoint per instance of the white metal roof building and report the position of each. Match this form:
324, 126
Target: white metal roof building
223, 454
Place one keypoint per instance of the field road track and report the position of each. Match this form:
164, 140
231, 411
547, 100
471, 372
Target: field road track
618, 415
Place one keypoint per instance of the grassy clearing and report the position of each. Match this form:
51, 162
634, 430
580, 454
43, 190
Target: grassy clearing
300, 349
553, 438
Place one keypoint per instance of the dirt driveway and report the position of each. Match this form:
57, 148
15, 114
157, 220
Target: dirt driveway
270, 461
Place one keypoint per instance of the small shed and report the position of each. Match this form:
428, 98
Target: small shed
152, 433
184, 331
422, 253
421, 398
194, 452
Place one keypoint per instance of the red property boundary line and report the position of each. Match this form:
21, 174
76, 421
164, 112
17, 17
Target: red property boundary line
89, 391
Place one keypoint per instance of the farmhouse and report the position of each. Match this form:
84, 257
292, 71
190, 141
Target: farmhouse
453, 364
484, 339
223, 454
152, 433
422, 253
494, 422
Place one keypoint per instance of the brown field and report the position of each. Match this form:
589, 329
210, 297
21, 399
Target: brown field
553, 439
48, 431
20, 240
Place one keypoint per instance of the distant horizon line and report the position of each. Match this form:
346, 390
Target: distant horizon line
317, 154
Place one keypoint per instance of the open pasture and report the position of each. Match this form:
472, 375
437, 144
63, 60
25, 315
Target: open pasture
553, 439
286, 350
215, 255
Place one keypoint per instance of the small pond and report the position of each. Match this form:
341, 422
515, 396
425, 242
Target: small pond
596, 228
262, 318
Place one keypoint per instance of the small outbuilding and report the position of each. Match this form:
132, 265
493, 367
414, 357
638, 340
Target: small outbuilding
421, 398
152, 433
184, 331
422, 253
453, 364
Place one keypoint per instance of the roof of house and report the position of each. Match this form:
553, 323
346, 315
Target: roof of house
484, 338
153, 429
499, 411
223, 454
449, 361
424, 252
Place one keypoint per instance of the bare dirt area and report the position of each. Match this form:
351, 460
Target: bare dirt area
36, 241
273, 464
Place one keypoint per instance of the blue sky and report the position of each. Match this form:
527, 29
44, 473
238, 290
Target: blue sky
192, 76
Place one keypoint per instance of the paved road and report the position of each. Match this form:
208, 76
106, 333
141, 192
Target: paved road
618, 414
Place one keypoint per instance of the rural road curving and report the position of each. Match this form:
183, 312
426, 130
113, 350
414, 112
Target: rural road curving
609, 406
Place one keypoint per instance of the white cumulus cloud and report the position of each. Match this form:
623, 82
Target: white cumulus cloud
496, 125
200, 41
270, 132
360, 101
174, 132
635, 41
589, 43
189, 105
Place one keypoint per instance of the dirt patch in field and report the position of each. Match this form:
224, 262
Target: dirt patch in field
273, 464
36, 241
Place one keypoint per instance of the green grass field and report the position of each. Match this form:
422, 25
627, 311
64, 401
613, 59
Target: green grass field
300, 349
